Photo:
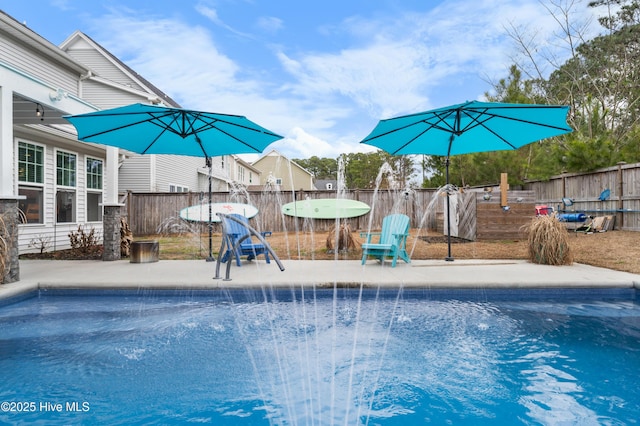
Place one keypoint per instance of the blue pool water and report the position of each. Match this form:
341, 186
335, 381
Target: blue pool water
321, 357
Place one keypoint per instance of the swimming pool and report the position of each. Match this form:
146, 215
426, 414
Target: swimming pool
336, 356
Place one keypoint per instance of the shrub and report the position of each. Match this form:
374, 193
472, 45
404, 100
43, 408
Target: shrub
84, 243
41, 242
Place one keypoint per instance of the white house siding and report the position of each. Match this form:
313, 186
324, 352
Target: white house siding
34, 63
218, 184
180, 170
98, 94
135, 174
220, 177
57, 234
102, 66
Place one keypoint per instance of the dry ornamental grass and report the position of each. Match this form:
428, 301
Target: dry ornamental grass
548, 242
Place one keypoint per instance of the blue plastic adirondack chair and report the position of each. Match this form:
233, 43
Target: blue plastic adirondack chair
237, 240
392, 242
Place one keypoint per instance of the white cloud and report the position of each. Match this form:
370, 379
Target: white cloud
212, 15
325, 101
300, 144
269, 24
367, 76
396, 63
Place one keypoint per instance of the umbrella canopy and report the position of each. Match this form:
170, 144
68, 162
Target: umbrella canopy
466, 128
469, 127
153, 129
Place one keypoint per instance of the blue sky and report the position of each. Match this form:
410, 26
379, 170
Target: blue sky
319, 73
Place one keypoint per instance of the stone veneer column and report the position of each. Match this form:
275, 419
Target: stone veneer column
9, 232
111, 231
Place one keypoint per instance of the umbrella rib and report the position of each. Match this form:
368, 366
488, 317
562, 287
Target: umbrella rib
486, 112
164, 126
480, 123
483, 112
152, 118
212, 123
413, 139
431, 125
113, 129
153, 141
237, 139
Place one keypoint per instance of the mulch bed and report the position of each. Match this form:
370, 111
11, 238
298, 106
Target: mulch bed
68, 254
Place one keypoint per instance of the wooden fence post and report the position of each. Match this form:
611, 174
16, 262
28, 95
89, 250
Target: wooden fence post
504, 187
620, 218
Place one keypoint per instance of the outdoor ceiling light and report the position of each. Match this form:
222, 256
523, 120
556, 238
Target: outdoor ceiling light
40, 111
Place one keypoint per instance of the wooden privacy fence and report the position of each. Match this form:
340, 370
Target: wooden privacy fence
478, 218
155, 213
623, 182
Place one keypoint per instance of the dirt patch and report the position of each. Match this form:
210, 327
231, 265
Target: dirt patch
443, 239
617, 250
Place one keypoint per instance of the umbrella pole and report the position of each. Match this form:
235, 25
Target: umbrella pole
449, 258
210, 258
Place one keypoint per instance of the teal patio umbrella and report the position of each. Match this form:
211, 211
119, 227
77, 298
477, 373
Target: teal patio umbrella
467, 128
154, 129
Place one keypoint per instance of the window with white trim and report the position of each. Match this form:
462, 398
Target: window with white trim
178, 188
66, 178
31, 181
94, 179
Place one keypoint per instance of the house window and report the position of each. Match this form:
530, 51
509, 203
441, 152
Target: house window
65, 169
32, 205
278, 181
30, 163
65, 206
94, 173
94, 207
178, 188
94, 189
250, 177
66, 181
240, 174
31, 172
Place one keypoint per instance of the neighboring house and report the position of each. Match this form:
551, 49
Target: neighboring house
242, 172
111, 83
280, 172
326, 184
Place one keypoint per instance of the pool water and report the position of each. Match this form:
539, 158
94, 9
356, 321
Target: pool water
323, 357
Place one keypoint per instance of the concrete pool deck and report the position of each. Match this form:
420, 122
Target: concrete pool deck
198, 274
